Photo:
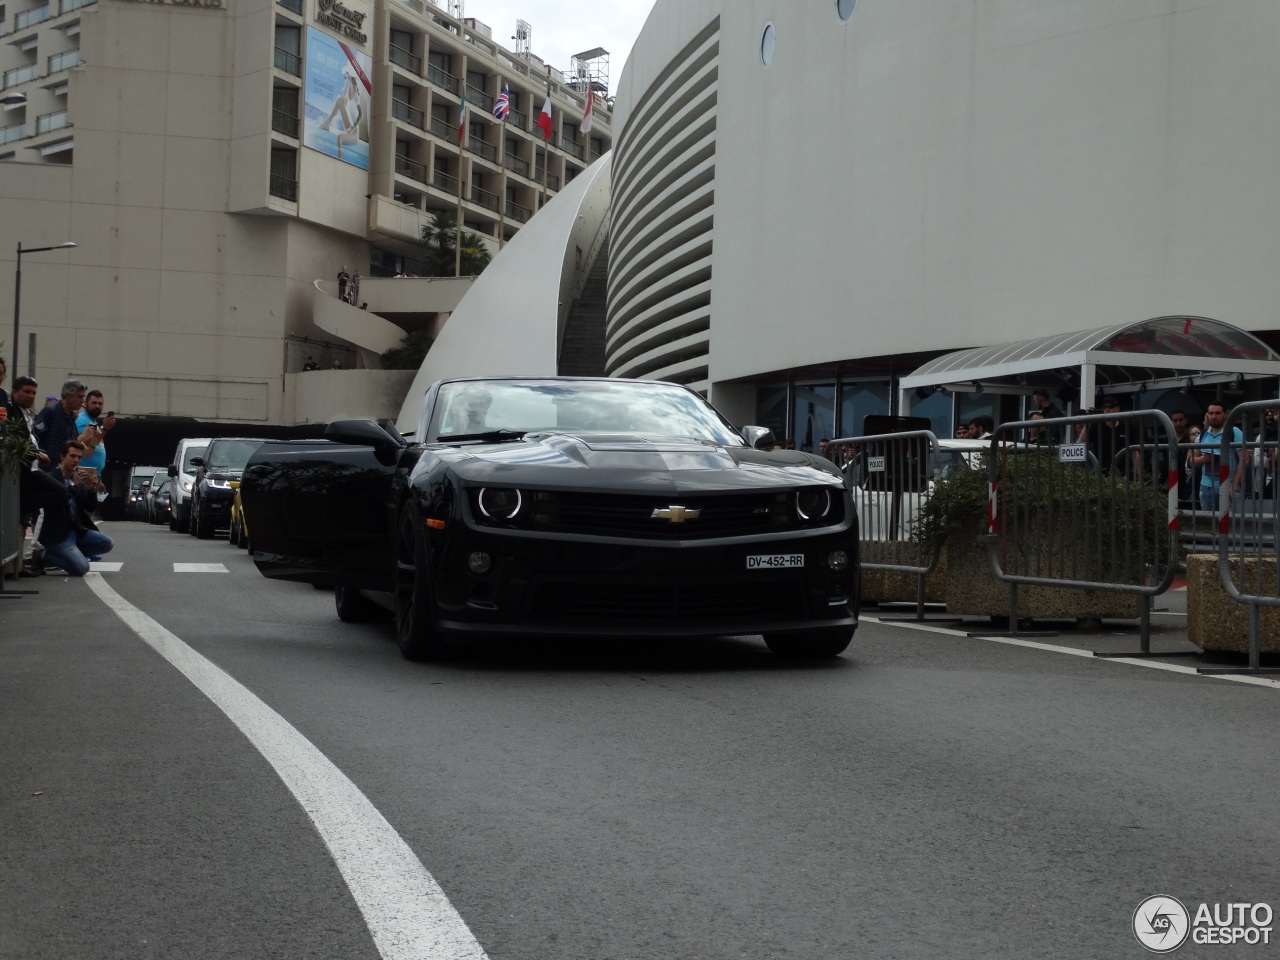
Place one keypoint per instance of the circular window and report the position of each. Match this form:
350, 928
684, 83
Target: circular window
844, 8
766, 45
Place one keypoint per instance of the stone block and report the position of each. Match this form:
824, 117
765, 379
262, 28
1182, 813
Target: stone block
1217, 622
890, 586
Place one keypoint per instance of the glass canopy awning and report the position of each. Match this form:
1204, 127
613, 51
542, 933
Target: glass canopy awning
1164, 351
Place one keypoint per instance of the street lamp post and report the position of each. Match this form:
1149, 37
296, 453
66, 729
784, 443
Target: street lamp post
17, 291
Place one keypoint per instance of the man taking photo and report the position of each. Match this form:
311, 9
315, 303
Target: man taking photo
69, 534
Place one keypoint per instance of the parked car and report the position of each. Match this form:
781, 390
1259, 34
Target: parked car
211, 493
563, 506
158, 502
183, 472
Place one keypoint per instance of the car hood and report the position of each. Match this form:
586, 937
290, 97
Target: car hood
659, 464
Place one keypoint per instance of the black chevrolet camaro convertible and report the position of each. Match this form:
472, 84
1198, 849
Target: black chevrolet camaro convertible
556, 507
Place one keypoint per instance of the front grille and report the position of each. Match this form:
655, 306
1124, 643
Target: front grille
618, 515
755, 602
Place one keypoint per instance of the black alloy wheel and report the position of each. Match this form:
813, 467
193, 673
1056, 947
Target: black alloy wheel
820, 643
233, 537
414, 605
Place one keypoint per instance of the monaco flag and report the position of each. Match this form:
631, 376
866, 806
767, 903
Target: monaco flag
588, 113
544, 118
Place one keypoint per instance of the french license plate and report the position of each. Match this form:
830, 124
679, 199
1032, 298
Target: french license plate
775, 560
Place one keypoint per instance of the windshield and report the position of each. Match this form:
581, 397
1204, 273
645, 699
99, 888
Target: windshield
582, 407
187, 465
230, 456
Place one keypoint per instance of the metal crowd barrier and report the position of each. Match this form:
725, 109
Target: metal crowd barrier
10, 520
1059, 519
891, 476
1248, 505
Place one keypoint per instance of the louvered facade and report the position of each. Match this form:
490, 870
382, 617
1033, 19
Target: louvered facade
663, 211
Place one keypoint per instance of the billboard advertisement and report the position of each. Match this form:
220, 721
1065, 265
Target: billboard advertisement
337, 98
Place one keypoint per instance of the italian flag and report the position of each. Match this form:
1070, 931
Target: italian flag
462, 118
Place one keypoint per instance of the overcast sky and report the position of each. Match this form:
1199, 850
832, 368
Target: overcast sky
562, 28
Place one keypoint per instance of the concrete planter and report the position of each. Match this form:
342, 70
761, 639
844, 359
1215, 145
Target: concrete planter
973, 589
1214, 620
887, 586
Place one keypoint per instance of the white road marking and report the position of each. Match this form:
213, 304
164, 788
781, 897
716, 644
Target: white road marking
408, 915
1075, 652
105, 566
200, 568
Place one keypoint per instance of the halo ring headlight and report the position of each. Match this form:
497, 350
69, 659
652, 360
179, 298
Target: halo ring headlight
499, 503
813, 503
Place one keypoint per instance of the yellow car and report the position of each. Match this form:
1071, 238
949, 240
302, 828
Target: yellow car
239, 536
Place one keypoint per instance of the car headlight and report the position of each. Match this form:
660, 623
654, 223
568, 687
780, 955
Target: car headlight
813, 503
218, 484
499, 503
186, 486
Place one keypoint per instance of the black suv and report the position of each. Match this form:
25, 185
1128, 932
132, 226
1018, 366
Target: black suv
211, 492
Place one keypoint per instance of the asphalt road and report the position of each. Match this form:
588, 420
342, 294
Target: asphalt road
926, 795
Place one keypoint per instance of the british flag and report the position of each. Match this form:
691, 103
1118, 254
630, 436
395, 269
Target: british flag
502, 106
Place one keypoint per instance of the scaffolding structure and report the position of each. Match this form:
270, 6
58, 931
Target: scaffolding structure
589, 71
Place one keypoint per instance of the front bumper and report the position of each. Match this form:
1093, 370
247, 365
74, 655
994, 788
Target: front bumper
547, 585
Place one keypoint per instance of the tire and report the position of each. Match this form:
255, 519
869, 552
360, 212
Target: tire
354, 607
414, 605
173, 522
233, 537
201, 528
821, 643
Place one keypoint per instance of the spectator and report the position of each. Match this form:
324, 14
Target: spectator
1038, 436
310, 365
355, 288
344, 278
1209, 461
980, 427
1186, 474
69, 536
962, 432
822, 446
56, 423
1046, 407
93, 428
37, 490
1106, 441
337, 365
5, 402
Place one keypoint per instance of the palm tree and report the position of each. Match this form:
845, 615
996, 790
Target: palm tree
438, 238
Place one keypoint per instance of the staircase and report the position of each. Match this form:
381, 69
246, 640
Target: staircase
582, 351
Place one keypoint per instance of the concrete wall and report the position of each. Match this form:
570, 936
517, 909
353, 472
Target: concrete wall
938, 174
323, 396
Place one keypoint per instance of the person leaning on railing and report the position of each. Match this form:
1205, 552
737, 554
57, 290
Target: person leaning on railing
1209, 461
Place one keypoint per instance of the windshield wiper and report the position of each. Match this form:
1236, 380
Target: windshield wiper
489, 436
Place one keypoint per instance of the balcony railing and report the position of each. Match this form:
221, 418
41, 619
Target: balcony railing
15, 131
521, 120
411, 168
441, 79
481, 149
288, 62
517, 212
553, 182
403, 58
479, 98
442, 181
410, 115
64, 61
66, 6
443, 129
285, 123
516, 165
293, 6
483, 197
21, 74
51, 121
572, 147
29, 17
283, 187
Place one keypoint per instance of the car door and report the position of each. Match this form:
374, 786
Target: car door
321, 511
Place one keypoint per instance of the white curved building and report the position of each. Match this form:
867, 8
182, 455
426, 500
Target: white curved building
812, 197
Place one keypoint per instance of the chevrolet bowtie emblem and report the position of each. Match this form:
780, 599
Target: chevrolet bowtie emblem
676, 514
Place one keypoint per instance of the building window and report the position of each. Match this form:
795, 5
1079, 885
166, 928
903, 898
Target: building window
402, 39
766, 45
844, 8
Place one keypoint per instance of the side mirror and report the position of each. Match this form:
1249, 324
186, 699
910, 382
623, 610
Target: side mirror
362, 433
173, 471
197, 461
760, 438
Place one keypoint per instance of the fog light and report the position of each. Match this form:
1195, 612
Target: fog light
479, 562
837, 560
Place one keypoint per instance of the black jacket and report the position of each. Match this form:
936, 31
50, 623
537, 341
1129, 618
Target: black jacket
77, 517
